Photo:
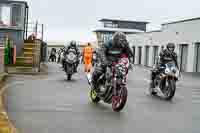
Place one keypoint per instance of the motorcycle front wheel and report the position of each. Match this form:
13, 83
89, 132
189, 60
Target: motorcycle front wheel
169, 92
93, 96
119, 101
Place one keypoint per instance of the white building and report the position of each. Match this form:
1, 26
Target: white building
185, 34
107, 27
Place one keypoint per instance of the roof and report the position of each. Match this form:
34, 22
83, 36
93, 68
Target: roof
13, 2
120, 20
180, 21
117, 29
153, 31
10, 28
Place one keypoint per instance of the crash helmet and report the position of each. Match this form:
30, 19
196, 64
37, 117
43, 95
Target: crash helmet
119, 39
73, 43
88, 44
170, 47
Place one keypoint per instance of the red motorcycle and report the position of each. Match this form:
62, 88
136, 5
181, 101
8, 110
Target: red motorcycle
112, 85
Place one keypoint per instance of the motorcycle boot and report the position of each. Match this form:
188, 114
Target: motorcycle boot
152, 85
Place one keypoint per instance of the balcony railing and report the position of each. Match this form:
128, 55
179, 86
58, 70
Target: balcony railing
37, 29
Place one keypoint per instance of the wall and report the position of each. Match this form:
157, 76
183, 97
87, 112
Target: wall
0, 13
178, 33
16, 36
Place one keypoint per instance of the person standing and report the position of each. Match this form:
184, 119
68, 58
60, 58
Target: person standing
87, 57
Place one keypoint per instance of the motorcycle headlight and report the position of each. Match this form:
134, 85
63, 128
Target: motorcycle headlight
71, 56
167, 70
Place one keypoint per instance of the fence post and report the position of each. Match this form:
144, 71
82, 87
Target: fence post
36, 29
42, 32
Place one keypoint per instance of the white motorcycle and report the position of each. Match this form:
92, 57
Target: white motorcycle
166, 81
70, 61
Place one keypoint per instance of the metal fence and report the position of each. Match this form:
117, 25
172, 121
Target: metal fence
37, 29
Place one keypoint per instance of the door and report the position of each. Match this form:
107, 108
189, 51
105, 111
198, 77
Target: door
197, 57
146, 55
183, 57
155, 54
133, 51
139, 55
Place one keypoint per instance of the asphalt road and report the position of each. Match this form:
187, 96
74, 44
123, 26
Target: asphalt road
51, 104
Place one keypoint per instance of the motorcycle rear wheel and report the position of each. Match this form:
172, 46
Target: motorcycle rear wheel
119, 105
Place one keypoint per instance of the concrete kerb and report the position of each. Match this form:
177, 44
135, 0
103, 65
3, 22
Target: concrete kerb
5, 124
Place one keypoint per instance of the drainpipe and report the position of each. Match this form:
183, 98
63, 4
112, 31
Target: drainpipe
42, 32
24, 24
27, 13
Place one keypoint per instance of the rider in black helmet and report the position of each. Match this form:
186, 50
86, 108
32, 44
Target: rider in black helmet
74, 46
110, 52
166, 55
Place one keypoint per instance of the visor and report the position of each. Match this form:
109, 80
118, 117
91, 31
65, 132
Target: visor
171, 49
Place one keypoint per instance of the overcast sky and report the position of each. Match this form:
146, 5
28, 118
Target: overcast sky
74, 19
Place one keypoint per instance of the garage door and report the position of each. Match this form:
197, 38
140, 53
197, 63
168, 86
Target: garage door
139, 55
155, 53
197, 57
183, 57
146, 55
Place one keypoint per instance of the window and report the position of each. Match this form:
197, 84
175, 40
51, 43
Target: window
110, 25
5, 18
11, 15
17, 17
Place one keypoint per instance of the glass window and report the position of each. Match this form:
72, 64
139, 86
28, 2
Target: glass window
5, 18
17, 15
110, 25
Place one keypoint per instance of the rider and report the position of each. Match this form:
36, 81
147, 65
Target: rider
74, 46
166, 55
110, 52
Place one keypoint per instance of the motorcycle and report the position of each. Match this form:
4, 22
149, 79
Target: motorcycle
69, 63
112, 85
166, 80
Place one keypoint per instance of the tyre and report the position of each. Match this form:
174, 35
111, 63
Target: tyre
152, 90
69, 77
93, 96
118, 105
170, 91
